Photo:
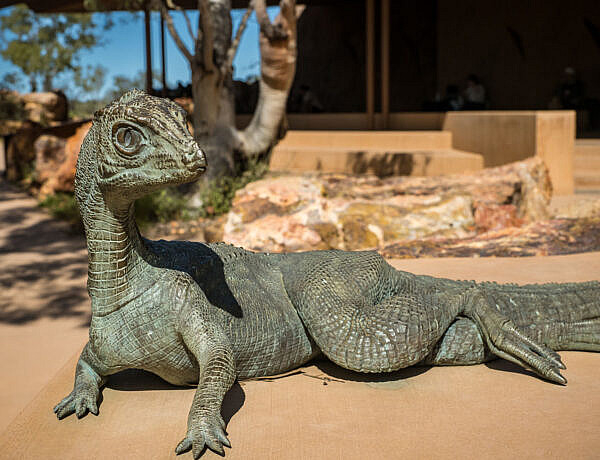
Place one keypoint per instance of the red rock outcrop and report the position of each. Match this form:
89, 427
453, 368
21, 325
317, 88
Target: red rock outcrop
292, 212
543, 238
20, 153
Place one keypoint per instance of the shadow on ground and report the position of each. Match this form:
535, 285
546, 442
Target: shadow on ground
139, 380
44, 264
339, 373
506, 366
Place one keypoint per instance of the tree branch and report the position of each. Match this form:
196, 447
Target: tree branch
207, 36
272, 32
169, 20
278, 65
171, 4
228, 64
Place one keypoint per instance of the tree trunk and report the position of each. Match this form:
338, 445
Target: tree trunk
215, 131
278, 67
212, 90
47, 83
214, 109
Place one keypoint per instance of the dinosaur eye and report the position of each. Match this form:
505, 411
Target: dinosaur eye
127, 139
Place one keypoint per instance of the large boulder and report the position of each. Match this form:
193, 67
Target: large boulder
56, 159
543, 238
20, 153
46, 108
49, 155
12, 112
334, 211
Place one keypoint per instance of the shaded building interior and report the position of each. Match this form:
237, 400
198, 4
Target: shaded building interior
518, 49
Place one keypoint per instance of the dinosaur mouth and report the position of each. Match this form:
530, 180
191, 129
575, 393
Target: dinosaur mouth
197, 164
197, 168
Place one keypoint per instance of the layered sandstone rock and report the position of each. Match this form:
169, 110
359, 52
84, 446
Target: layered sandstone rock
292, 212
12, 112
543, 238
20, 153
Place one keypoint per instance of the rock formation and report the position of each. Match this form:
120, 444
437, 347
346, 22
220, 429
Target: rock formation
292, 213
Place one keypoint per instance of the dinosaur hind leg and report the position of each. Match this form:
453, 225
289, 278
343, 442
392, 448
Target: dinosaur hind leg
393, 334
462, 344
561, 316
355, 309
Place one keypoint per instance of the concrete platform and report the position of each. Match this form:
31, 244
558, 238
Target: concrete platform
503, 136
587, 164
364, 140
484, 411
432, 162
384, 153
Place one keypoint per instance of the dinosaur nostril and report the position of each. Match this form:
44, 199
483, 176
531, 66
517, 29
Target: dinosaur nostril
195, 156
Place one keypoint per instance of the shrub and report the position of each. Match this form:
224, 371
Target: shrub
161, 206
63, 206
217, 196
167, 204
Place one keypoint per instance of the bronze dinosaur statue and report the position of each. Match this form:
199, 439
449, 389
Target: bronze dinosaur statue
206, 314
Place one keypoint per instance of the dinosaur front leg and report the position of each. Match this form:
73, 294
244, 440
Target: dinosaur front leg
505, 339
213, 353
86, 389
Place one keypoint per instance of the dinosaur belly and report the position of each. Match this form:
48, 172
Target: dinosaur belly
269, 337
272, 353
138, 337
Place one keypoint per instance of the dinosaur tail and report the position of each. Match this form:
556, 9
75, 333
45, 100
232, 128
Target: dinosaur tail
562, 316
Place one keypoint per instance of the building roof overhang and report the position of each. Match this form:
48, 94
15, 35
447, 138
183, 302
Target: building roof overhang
76, 6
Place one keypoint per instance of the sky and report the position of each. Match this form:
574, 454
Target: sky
124, 50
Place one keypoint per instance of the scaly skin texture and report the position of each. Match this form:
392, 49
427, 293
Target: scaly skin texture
206, 314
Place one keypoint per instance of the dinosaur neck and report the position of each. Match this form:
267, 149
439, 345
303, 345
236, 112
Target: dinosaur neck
115, 254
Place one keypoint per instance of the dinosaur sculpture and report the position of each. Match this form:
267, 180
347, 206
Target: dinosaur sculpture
206, 314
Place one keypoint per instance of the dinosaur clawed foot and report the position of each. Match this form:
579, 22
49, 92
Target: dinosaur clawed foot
208, 431
507, 341
513, 345
79, 402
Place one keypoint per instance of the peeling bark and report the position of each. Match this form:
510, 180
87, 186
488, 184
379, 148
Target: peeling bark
278, 66
211, 59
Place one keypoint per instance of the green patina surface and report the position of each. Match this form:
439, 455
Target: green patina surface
206, 314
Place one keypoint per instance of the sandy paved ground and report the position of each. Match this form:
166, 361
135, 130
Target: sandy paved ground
44, 307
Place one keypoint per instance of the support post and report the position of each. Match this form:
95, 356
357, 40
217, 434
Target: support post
385, 63
162, 56
370, 64
148, 50
2, 156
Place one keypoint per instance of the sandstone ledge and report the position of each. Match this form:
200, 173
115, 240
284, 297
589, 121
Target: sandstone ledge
490, 411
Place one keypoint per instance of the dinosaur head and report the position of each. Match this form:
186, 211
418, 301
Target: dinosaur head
142, 144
